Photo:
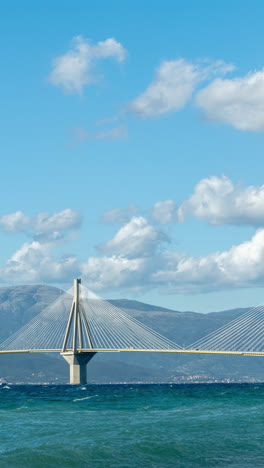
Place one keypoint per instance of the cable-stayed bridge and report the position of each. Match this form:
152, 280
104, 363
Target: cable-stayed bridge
80, 324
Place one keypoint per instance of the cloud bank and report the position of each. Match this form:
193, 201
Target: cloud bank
175, 272
137, 258
140, 255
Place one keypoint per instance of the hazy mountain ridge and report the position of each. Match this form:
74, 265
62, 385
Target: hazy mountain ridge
20, 304
136, 305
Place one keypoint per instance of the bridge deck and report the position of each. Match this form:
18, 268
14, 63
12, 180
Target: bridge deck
128, 350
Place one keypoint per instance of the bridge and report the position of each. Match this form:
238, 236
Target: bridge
80, 324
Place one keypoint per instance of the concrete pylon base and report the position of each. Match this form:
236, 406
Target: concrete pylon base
77, 362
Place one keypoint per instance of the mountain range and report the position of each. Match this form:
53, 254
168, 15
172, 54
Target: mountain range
19, 304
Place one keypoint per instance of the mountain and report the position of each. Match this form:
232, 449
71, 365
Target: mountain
20, 304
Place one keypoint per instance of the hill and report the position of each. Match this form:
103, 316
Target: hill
21, 303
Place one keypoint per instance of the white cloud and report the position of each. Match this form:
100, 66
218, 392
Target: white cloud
115, 272
113, 134
80, 134
218, 201
137, 238
170, 272
238, 101
14, 222
170, 90
173, 272
137, 258
41, 223
144, 266
62, 221
110, 48
173, 86
165, 212
241, 266
119, 215
75, 69
33, 262
210, 68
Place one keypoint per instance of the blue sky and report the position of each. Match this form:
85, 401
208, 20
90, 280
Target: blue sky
132, 149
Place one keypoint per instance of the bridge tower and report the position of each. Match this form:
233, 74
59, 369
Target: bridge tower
77, 328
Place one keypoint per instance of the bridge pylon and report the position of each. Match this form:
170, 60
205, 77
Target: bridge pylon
76, 337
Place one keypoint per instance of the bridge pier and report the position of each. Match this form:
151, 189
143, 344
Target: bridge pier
77, 362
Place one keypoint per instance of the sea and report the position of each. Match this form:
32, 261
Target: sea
127, 426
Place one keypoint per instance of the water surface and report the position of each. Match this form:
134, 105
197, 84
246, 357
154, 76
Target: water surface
127, 426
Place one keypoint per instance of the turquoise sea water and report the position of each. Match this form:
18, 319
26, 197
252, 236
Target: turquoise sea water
121, 426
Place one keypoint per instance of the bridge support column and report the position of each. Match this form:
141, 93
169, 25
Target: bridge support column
77, 362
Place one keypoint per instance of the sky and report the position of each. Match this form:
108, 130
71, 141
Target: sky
132, 137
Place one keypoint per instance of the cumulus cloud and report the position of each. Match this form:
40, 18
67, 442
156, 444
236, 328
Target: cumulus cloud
173, 86
238, 102
241, 266
115, 272
173, 272
41, 223
165, 212
136, 238
138, 258
170, 272
62, 221
75, 69
34, 262
119, 215
218, 201
15, 222
170, 90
